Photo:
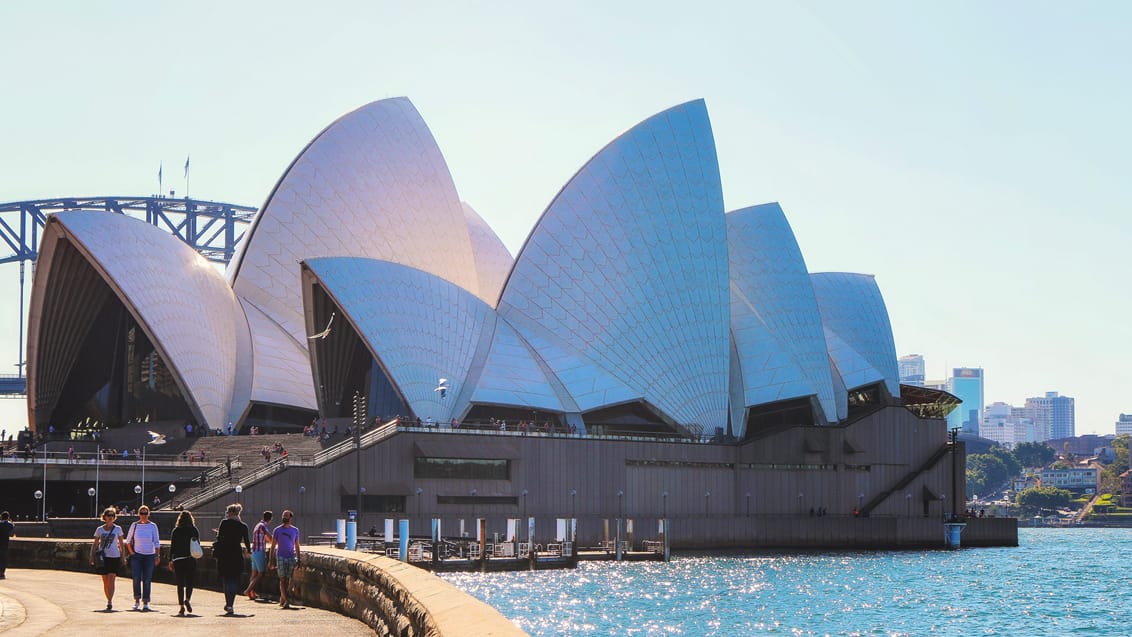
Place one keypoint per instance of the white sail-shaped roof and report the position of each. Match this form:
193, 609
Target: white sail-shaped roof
628, 265
513, 375
419, 327
853, 310
281, 373
179, 299
493, 260
774, 316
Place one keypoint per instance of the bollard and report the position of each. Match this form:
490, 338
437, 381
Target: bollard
404, 540
351, 535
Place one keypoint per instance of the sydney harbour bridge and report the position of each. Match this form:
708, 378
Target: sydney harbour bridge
212, 228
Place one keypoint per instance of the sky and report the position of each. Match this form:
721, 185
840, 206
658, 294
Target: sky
973, 156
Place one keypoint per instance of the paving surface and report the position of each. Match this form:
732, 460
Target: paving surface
60, 603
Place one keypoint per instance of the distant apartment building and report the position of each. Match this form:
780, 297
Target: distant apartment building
1078, 480
1053, 414
966, 383
912, 369
1007, 426
1124, 424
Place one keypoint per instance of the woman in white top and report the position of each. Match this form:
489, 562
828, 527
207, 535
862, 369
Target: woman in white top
144, 543
108, 541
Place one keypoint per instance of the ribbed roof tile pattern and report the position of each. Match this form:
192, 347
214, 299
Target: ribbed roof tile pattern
629, 262
493, 261
421, 327
372, 184
191, 317
512, 375
281, 371
853, 309
774, 316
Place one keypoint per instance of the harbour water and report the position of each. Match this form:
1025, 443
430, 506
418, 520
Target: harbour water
1056, 582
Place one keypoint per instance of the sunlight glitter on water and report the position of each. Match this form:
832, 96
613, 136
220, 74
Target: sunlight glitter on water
1006, 591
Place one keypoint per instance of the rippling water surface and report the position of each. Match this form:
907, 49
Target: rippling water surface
1057, 582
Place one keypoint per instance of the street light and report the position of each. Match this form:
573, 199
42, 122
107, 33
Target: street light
155, 439
908, 499
525, 523
172, 490
91, 493
239, 489
748, 504
801, 503
302, 490
419, 492
573, 493
138, 492
707, 502
664, 499
39, 497
860, 501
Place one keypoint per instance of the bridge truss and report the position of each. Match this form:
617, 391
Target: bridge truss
212, 228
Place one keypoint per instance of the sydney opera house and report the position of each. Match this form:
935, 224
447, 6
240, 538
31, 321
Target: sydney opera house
646, 352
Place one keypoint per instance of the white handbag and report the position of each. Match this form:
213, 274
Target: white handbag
194, 548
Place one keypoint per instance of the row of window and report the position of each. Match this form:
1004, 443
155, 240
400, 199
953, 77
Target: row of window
500, 469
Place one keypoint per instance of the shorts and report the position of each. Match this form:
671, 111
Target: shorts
259, 561
110, 565
285, 566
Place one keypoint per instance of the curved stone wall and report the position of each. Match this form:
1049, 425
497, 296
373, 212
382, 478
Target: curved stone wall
391, 597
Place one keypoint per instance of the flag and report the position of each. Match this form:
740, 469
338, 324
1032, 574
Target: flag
159, 168
186, 166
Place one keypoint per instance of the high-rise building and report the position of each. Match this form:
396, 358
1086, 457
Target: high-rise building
1124, 424
967, 385
1054, 415
1007, 425
912, 370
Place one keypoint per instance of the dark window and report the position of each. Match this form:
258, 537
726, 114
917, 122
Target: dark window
373, 503
477, 499
462, 468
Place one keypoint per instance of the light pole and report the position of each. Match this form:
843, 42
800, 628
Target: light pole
908, 499
97, 467
172, 490
664, 505
361, 504
239, 489
155, 439
748, 504
91, 491
138, 492
573, 494
860, 501
302, 490
525, 523
801, 501
44, 493
472, 493
38, 498
707, 502
419, 492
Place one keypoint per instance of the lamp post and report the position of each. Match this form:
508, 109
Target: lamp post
524, 494
361, 504
156, 439
664, 505
472, 493
573, 518
419, 492
860, 501
239, 489
707, 502
908, 499
801, 503
91, 491
943, 504
138, 492
573, 494
748, 504
302, 490
172, 490
44, 493
39, 497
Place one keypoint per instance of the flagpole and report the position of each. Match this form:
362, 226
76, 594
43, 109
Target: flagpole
187, 176
160, 184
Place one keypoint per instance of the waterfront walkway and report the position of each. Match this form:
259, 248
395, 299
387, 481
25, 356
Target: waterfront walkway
60, 603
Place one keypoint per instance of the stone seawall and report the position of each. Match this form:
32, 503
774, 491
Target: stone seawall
391, 597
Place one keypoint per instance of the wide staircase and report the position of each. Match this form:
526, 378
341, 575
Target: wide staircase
905, 481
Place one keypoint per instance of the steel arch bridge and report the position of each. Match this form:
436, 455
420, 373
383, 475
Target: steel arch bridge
212, 228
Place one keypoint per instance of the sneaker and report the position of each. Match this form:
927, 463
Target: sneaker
188, 606
145, 607
228, 610
181, 613
109, 607
137, 605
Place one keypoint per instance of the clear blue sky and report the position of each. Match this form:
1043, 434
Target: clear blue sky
974, 156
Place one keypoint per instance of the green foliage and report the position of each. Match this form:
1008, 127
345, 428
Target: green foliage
1110, 475
1034, 454
985, 473
1035, 500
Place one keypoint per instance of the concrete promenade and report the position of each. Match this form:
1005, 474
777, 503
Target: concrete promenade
60, 603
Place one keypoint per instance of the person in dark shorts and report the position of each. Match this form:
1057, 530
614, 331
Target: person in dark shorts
109, 542
7, 530
285, 555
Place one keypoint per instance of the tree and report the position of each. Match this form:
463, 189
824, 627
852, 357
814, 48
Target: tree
1034, 454
985, 472
1035, 500
1009, 460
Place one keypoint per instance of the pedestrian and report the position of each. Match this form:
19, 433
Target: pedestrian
7, 530
261, 540
229, 554
285, 555
144, 544
108, 541
181, 560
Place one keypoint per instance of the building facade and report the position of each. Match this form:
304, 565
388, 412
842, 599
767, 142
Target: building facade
1124, 424
1076, 480
967, 385
1053, 414
912, 369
